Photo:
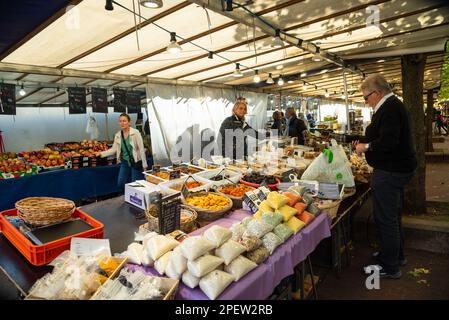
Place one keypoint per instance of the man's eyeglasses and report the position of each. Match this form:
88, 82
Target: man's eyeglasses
367, 96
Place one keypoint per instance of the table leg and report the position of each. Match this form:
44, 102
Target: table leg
315, 293
302, 280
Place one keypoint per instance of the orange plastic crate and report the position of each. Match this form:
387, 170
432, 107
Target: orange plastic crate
46, 253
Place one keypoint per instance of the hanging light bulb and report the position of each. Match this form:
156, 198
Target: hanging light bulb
280, 80
153, 4
326, 94
22, 91
317, 56
343, 96
270, 79
256, 78
237, 73
173, 47
304, 86
277, 41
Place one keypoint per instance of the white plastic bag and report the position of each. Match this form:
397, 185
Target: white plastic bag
159, 245
332, 166
215, 283
135, 253
240, 267
178, 262
217, 235
257, 228
194, 247
161, 264
190, 280
203, 265
229, 251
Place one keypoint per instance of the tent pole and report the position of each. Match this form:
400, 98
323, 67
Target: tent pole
345, 84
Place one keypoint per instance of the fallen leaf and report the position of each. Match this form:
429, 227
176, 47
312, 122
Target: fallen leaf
422, 281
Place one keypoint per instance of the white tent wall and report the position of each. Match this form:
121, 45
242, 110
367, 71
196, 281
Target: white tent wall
186, 111
33, 127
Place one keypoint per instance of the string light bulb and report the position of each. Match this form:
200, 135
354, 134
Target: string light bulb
277, 41
256, 78
317, 56
270, 79
237, 73
280, 81
22, 91
173, 47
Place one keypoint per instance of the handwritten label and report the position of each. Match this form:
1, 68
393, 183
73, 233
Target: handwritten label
87, 246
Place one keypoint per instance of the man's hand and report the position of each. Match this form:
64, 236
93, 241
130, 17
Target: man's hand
361, 148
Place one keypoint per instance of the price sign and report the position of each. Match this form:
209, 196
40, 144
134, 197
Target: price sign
156, 168
176, 174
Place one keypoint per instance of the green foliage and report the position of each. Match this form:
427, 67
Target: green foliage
444, 91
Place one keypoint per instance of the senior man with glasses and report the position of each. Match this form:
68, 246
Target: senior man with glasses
389, 150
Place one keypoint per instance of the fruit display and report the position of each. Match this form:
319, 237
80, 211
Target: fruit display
96, 146
237, 191
44, 158
258, 178
360, 168
8, 155
14, 168
189, 185
210, 201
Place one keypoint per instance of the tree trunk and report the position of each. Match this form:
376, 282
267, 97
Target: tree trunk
429, 117
412, 88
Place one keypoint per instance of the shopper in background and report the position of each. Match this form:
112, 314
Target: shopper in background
441, 122
389, 150
235, 122
295, 128
277, 127
130, 152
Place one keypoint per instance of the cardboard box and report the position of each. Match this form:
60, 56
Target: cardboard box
138, 193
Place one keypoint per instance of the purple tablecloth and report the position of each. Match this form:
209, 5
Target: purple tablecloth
260, 283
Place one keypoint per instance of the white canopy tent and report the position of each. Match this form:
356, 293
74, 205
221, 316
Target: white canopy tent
94, 47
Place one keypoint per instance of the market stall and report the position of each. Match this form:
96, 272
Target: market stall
235, 184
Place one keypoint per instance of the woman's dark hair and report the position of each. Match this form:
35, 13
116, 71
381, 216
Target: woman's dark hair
275, 115
126, 116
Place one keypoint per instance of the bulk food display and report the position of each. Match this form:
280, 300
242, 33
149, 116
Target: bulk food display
207, 253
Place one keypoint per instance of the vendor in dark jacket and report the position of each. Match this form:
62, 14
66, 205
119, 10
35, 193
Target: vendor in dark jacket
234, 132
389, 150
295, 127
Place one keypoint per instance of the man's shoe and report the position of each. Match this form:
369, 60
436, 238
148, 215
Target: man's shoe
383, 274
375, 255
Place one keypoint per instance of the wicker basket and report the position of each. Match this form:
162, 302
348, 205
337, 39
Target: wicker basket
210, 215
331, 208
40, 211
188, 219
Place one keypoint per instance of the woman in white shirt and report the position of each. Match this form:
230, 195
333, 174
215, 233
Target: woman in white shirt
130, 154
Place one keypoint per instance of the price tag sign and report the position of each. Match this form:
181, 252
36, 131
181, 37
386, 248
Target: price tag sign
185, 191
156, 168
176, 174
169, 214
